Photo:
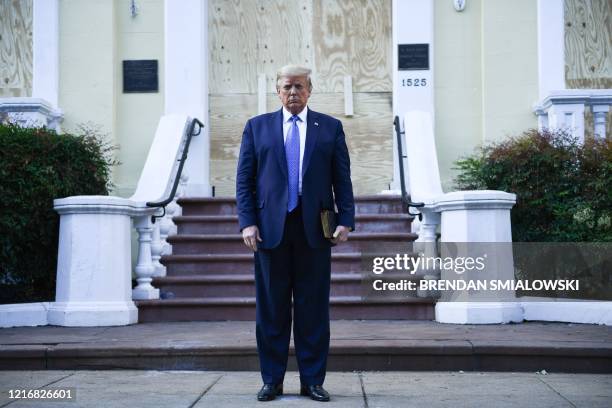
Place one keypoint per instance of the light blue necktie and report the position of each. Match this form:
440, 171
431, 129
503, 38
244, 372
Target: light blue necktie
292, 152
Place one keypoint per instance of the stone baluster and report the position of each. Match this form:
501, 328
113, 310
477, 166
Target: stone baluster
426, 244
165, 225
156, 249
599, 119
144, 267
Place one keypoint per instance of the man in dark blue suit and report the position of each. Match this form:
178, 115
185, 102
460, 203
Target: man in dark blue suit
293, 163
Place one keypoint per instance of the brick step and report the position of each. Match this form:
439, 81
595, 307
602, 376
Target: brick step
243, 285
193, 244
228, 224
368, 204
243, 308
179, 265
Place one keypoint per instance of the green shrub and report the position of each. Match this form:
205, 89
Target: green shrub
36, 166
563, 187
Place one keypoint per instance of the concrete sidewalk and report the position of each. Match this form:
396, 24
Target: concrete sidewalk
129, 388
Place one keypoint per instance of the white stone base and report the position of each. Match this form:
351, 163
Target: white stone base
143, 294
478, 312
24, 314
93, 313
570, 311
31, 112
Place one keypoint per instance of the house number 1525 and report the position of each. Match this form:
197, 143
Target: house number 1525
414, 82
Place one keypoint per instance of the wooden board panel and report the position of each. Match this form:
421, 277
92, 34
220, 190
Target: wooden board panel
369, 136
223, 177
352, 38
334, 39
15, 48
232, 46
588, 35
228, 114
283, 36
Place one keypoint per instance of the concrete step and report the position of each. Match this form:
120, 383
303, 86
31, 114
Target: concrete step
361, 345
369, 204
243, 308
228, 224
243, 285
193, 244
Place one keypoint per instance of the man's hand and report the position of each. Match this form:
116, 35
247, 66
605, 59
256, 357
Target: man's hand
341, 234
250, 235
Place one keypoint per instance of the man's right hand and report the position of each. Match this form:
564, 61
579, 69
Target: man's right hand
250, 236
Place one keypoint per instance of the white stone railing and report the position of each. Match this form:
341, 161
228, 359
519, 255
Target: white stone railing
463, 217
31, 112
94, 255
565, 109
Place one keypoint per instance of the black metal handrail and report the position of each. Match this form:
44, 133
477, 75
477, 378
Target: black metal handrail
168, 200
400, 155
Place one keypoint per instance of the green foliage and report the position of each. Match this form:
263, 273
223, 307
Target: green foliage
563, 187
36, 166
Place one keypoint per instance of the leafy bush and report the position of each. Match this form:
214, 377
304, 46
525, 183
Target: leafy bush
563, 187
36, 166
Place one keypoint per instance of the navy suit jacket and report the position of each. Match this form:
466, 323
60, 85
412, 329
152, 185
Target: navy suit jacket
261, 181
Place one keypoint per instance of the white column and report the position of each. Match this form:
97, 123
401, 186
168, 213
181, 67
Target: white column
94, 286
186, 81
551, 41
475, 224
413, 23
45, 42
599, 119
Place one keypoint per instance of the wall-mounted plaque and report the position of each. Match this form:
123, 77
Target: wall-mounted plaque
412, 57
140, 76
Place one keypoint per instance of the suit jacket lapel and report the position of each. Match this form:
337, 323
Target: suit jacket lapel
312, 131
279, 143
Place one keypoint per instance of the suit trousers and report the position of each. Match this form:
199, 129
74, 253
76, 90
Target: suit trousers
293, 269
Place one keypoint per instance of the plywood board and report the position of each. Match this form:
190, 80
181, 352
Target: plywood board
588, 35
352, 38
15, 48
232, 46
369, 136
283, 36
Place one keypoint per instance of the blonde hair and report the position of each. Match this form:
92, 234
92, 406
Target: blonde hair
293, 70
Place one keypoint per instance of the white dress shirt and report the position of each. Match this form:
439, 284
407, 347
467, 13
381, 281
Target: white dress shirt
301, 124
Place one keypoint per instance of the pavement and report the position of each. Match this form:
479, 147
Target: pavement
151, 389
214, 364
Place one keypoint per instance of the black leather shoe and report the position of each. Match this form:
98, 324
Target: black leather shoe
315, 392
269, 391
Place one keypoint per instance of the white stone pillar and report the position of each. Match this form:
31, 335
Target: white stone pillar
412, 23
478, 221
551, 47
186, 81
45, 52
94, 286
599, 119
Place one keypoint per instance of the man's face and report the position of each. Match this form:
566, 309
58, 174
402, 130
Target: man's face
293, 92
